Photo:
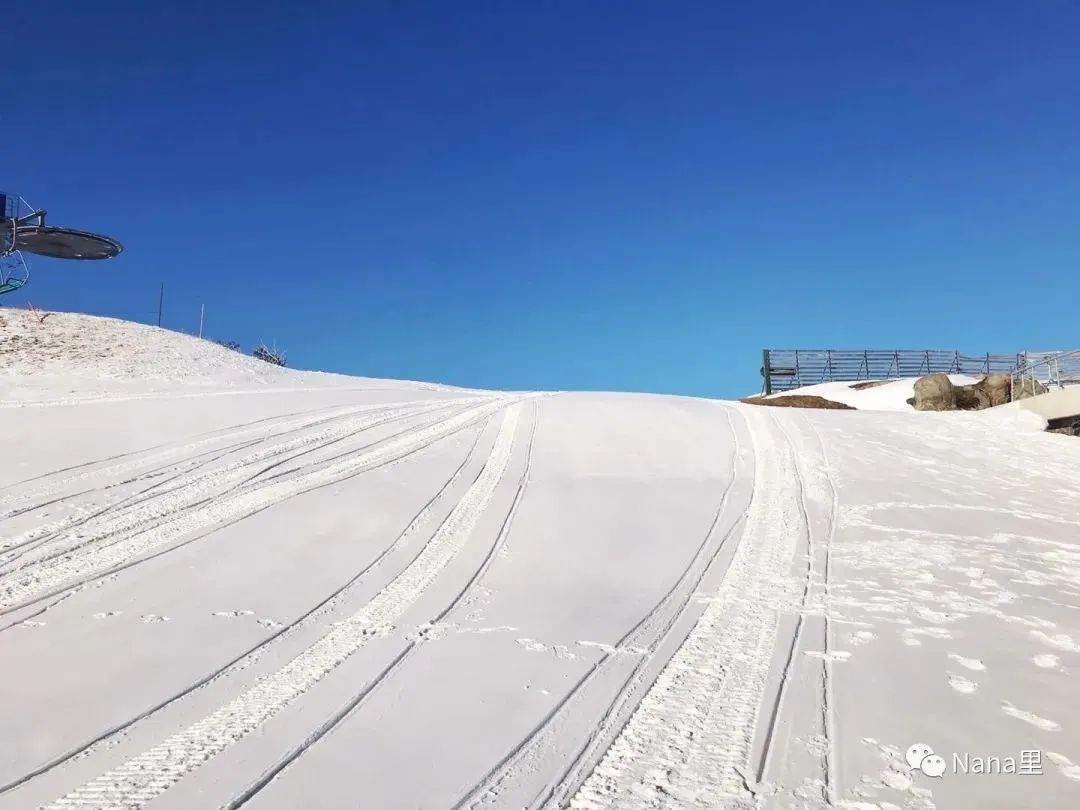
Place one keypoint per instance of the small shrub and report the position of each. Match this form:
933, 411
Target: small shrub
228, 344
273, 356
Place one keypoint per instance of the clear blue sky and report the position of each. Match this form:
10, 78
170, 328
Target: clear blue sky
617, 195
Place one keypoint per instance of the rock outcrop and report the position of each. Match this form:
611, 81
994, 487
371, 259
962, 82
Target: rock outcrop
1024, 388
937, 393
934, 393
996, 387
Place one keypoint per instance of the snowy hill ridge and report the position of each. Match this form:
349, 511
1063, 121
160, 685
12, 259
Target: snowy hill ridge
71, 353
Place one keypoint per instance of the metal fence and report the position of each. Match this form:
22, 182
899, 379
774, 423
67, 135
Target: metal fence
1052, 369
786, 369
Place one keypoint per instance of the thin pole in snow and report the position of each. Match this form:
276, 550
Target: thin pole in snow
160, 304
202, 311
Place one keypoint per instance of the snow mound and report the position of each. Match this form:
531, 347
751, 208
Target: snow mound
71, 353
890, 395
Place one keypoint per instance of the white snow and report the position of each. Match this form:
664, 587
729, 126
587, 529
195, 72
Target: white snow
889, 395
73, 356
224, 584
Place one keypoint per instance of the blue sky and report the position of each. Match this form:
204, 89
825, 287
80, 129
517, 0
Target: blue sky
616, 195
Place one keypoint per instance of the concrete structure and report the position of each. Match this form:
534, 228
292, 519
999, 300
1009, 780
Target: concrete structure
1058, 404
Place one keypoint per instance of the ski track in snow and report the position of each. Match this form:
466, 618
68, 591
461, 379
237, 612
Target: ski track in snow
816, 490
690, 739
642, 641
148, 775
339, 425
251, 655
416, 640
51, 577
194, 490
263, 429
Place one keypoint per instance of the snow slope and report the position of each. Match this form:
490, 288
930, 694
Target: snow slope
74, 356
376, 596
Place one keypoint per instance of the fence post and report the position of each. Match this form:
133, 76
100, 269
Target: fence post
202, 312
160, 304
766, 370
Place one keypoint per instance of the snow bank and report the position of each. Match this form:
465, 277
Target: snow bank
1016, 420
889, 396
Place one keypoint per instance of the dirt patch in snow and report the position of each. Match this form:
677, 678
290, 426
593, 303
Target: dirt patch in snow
799, 401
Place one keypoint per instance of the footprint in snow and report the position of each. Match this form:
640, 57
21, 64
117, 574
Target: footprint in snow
108, 614
1031, 621
1029, 717
31, 623
897, 780
860, 637
938, 617
232, 614
612, 650
974, 664
961, 684
560, 651
153, 618
271, 624
1047, 661
608, 648
1064, 765
1059, 641
909, 635
427, 632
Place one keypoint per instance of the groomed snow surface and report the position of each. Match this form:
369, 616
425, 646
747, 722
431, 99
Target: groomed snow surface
224, 585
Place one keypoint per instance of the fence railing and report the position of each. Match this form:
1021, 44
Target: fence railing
1051, 369
786, 369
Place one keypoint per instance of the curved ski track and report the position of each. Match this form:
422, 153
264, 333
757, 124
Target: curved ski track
642, 641
135, 536
252, 654
148, 775
349, 425
355, 702
689, 741
137, 459
675, 732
